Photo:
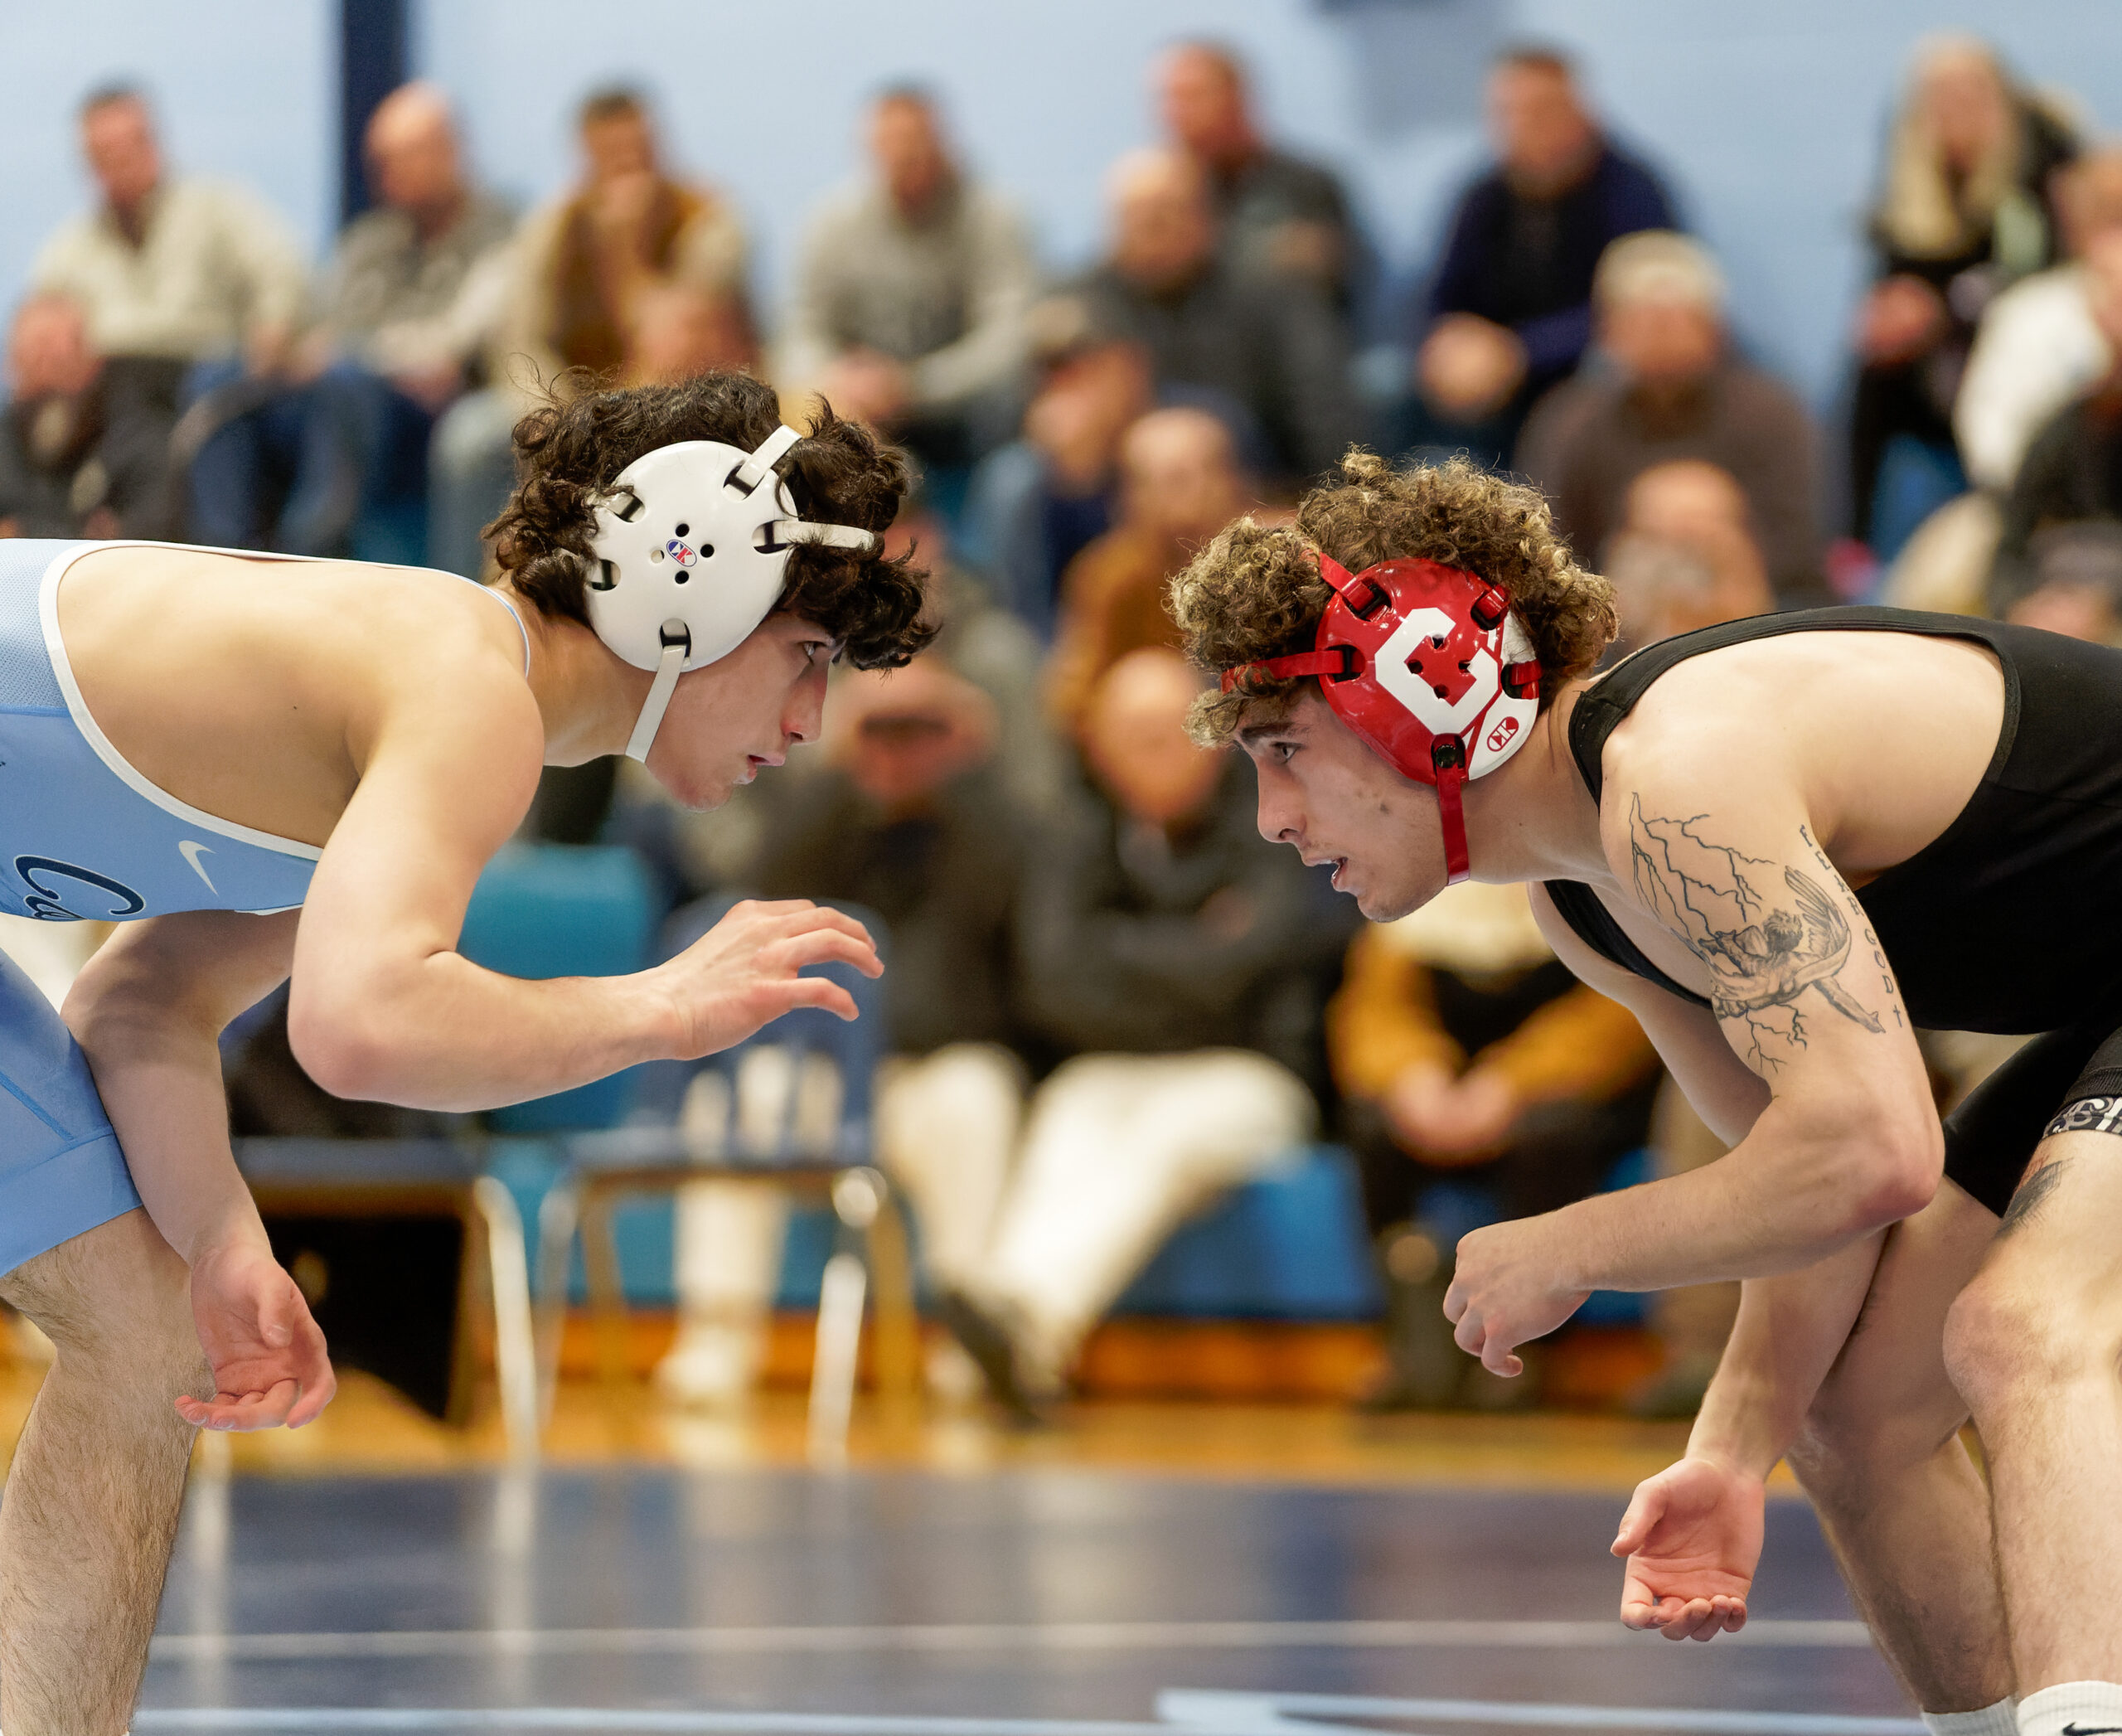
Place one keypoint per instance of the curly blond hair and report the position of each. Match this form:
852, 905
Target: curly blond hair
1255, 592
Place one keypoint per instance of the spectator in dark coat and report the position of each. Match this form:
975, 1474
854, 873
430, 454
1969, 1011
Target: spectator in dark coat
1273, 344
1509, 312
2059, 559
1279, 214
82, 451
1676, 390
1183, 963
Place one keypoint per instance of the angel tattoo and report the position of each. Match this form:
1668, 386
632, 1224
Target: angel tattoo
1759, 956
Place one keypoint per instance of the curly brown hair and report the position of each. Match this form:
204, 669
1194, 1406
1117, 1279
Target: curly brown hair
1255, 592
569, 450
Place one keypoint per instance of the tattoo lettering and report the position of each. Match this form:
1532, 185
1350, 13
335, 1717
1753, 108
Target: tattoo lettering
2033, 1193
1762, 955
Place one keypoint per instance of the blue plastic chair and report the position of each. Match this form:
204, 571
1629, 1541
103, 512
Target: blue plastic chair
653, 1153
544, 910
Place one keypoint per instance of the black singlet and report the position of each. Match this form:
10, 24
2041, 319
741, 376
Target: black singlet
2006, 921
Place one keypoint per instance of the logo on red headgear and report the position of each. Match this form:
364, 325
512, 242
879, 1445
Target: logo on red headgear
1500, 736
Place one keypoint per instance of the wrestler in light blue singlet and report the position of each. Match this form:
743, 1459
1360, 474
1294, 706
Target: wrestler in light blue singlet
84, 837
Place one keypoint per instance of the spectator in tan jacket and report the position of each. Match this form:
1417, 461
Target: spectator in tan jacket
1464, 1047
580, 269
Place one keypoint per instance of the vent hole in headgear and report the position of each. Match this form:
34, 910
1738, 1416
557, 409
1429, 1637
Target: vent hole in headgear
1436, 641
683, 531
681, 576
1440, 693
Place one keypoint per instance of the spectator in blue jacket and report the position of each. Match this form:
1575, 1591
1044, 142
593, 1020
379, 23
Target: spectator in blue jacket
1509, 312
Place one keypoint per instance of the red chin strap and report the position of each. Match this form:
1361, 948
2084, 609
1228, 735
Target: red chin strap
1367, 618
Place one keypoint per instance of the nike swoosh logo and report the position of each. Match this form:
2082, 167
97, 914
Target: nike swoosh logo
191, 851
2097, 1730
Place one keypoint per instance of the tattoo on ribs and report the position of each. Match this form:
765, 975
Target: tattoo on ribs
1764, 951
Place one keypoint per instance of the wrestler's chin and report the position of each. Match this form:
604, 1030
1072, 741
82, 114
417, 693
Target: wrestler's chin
1384, 903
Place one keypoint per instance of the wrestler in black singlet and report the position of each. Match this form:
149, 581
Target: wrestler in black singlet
2008, 921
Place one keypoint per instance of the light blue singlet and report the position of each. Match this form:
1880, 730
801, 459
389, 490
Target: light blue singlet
84, 837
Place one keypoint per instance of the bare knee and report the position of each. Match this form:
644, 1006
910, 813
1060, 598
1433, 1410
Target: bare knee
2015, 1331
115, 1302
1864, 1431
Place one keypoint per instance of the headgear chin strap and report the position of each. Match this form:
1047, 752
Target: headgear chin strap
689, 548
1426, 663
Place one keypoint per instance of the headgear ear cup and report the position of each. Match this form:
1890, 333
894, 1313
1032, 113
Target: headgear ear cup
1426, 663
689, 553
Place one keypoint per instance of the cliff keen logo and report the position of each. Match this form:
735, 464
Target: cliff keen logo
48, 897
1500, 736
679, 552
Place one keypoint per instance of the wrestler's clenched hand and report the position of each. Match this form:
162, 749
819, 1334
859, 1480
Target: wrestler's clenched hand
269, 1364
1503, 1293
742, 972
1692, 1539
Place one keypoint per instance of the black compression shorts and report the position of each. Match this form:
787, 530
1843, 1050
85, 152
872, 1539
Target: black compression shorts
1991, 1137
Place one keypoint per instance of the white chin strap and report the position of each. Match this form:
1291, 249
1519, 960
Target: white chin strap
676, 643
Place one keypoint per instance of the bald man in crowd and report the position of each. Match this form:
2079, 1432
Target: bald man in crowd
398, 316
1273, 343
1180, 482
1279, 213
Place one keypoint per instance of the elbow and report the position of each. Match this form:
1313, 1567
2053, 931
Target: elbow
346, 1049
1894, 1175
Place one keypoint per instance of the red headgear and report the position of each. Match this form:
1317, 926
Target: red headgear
1427, 664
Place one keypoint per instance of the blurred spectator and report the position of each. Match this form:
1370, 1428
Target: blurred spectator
1465, 1050
1510, 312
577, 272
2057, 565
171, 270
681, 331
1964, 209
339, 460
1180, 485
910, 297
81, 454
1182, 960
1035, 503
2050, 335
1684, 556
1278, 214
1273, 345
994, 650
1677, 390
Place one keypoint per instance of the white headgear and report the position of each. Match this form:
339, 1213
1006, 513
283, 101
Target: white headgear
690, 544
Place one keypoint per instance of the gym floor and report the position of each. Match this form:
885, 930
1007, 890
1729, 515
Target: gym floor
1150, 1568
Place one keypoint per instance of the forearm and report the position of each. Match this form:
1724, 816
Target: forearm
444, 1035
1795, 1191
160, 1078
1788, 1335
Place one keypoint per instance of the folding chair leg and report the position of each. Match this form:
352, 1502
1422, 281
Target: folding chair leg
899, 1328
560, 1215
833, 1360
608, 1307
516, 1362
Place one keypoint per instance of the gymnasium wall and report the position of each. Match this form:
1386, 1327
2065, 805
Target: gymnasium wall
1767, 118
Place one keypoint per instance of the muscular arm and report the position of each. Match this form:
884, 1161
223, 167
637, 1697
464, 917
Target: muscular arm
383, 1007
1843, 1139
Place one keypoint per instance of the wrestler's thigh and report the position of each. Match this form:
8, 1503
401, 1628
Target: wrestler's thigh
2058, 1253
1889, 1390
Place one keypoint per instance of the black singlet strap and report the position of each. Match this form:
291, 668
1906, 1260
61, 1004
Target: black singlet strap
1593, 923
1604, 704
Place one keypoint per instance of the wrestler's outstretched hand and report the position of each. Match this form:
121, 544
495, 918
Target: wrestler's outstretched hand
1692, 1539
742, 973
269, 1359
